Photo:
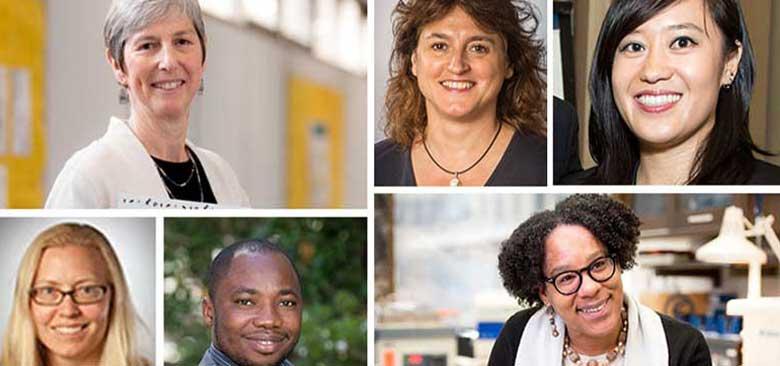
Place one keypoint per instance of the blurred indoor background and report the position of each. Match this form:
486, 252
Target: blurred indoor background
284, 102
576, 25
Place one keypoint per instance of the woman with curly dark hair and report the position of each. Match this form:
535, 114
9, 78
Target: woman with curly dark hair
465, 101
566, 264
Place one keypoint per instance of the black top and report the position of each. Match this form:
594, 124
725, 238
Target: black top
686, 345
566, 159
524, 163
179, 172
763, 174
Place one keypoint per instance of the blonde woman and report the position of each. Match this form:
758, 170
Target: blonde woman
71, 304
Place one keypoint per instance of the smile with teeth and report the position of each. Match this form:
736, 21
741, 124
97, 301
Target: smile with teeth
70, 329
457, 85
658, 100
593, 309
168, 85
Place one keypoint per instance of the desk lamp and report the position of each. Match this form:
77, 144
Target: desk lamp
761, 331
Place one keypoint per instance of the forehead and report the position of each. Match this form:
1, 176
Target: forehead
71, 263
261, 271
570, 247
682, 12
174, 21
456, 21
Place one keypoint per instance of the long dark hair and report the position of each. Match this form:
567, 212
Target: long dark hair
726, 156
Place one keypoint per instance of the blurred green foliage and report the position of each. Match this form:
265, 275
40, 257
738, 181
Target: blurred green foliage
330, 254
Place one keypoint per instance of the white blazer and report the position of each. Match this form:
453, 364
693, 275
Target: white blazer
117, 164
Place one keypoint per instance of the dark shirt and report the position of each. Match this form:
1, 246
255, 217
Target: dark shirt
763, 174
215, 357
524, 163
566, 158
686, 345
179, 173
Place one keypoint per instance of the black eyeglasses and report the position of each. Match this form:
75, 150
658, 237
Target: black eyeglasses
81, 295
569, 282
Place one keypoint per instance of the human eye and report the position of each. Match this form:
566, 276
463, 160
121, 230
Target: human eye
288, 303
599, 264
631, 47
244, 302
144, 46
439, 46
183, 42
566, 278
45, 291
89, 292
683, 42
479, 48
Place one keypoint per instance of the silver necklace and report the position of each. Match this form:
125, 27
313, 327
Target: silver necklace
455, 181
194, 172
186, 181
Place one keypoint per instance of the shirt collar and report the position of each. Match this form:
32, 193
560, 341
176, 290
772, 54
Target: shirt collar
215, 357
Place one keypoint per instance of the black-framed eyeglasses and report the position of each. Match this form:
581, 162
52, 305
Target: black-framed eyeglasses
81, 295
569, 282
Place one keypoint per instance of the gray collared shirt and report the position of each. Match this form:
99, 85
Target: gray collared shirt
215, 357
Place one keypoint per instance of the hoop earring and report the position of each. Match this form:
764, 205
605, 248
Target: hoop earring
554, 327
202, 86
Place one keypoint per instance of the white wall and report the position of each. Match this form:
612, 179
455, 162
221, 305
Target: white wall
383, 47
133, 241
242, 115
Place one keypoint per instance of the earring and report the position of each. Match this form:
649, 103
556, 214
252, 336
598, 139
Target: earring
731, 81
551, 312
124, 98
202, 87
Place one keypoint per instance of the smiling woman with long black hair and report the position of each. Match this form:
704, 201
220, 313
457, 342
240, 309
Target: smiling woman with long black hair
671, 84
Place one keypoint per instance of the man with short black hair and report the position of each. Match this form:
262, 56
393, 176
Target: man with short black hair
253, 306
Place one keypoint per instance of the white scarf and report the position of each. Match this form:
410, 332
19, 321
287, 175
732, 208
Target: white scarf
645, 345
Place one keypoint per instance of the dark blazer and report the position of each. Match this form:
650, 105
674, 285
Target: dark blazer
524, 163
686, 345
566, 158
763, 174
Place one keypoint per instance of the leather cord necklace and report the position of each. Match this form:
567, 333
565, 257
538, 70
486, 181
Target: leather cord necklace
455, 181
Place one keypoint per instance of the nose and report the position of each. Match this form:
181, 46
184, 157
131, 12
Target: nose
267, 317
167, 58
68, 308
656, 67
458, 63
589, 286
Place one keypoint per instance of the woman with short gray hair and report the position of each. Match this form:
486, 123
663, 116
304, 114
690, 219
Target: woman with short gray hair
157, 51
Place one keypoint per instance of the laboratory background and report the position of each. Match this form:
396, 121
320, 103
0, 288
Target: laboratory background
265, 60
576, 25
439, 300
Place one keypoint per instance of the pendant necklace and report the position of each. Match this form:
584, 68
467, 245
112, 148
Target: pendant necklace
455, 181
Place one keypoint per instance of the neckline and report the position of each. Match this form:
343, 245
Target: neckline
509, 147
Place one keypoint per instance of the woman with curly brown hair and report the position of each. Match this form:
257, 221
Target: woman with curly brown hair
566, 264
465, 103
